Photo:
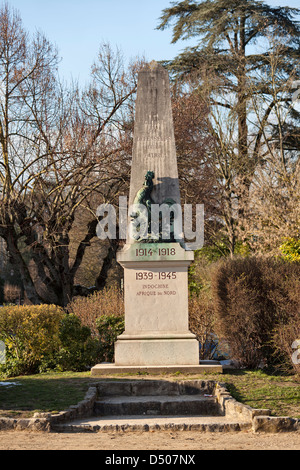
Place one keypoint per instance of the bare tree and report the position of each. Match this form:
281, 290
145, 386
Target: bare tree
23, 64
273, 210
58, 148
243, 212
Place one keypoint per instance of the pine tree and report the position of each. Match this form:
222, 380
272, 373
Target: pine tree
246, 54
225, 31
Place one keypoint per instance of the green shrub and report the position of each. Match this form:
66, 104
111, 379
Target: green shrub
77, 350
38, 338
109, 327
31, 336
290, 249
103, 313
43, 337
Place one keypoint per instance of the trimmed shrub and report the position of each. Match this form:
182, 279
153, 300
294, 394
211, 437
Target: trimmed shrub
77, 350
109, 327
106, 302
252, 297
286, 342
43, 337
31, 336
290, 249
202, 323
103, 313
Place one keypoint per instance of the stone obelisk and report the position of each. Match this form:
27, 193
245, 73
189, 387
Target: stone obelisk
156, 336
154, 142
155, 275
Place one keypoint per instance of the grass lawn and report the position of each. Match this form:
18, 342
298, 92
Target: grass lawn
54, 392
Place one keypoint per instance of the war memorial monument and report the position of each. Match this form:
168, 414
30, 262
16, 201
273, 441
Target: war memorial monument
155, 261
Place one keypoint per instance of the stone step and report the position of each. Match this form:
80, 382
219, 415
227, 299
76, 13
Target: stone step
195, 405
155, 387
154, 423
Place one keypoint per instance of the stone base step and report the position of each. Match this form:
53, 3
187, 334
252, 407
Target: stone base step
157, 405
154, 423
146, 387
111, 369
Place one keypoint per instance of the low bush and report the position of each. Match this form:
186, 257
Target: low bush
77, 351
290, 249
286, 341
202, 323
109, 327
252, 297
106, 302
31, 336
103, 313
45, 337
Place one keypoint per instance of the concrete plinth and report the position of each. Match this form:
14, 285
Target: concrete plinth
164, 350
156, 307
101, 370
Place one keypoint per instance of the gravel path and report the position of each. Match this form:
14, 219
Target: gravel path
186, 440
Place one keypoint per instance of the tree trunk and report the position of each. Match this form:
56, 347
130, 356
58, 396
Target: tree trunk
243, 169
107, 264
17, 258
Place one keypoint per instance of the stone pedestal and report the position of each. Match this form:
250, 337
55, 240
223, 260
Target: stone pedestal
156, 307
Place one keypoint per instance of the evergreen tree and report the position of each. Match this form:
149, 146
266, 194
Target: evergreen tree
245, 62
225, 31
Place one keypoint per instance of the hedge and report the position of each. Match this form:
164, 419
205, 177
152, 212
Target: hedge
45, 337
31, 336
254, 298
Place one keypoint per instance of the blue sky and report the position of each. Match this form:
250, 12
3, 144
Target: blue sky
77, 27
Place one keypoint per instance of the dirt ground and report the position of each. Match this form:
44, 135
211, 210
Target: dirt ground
187, 440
